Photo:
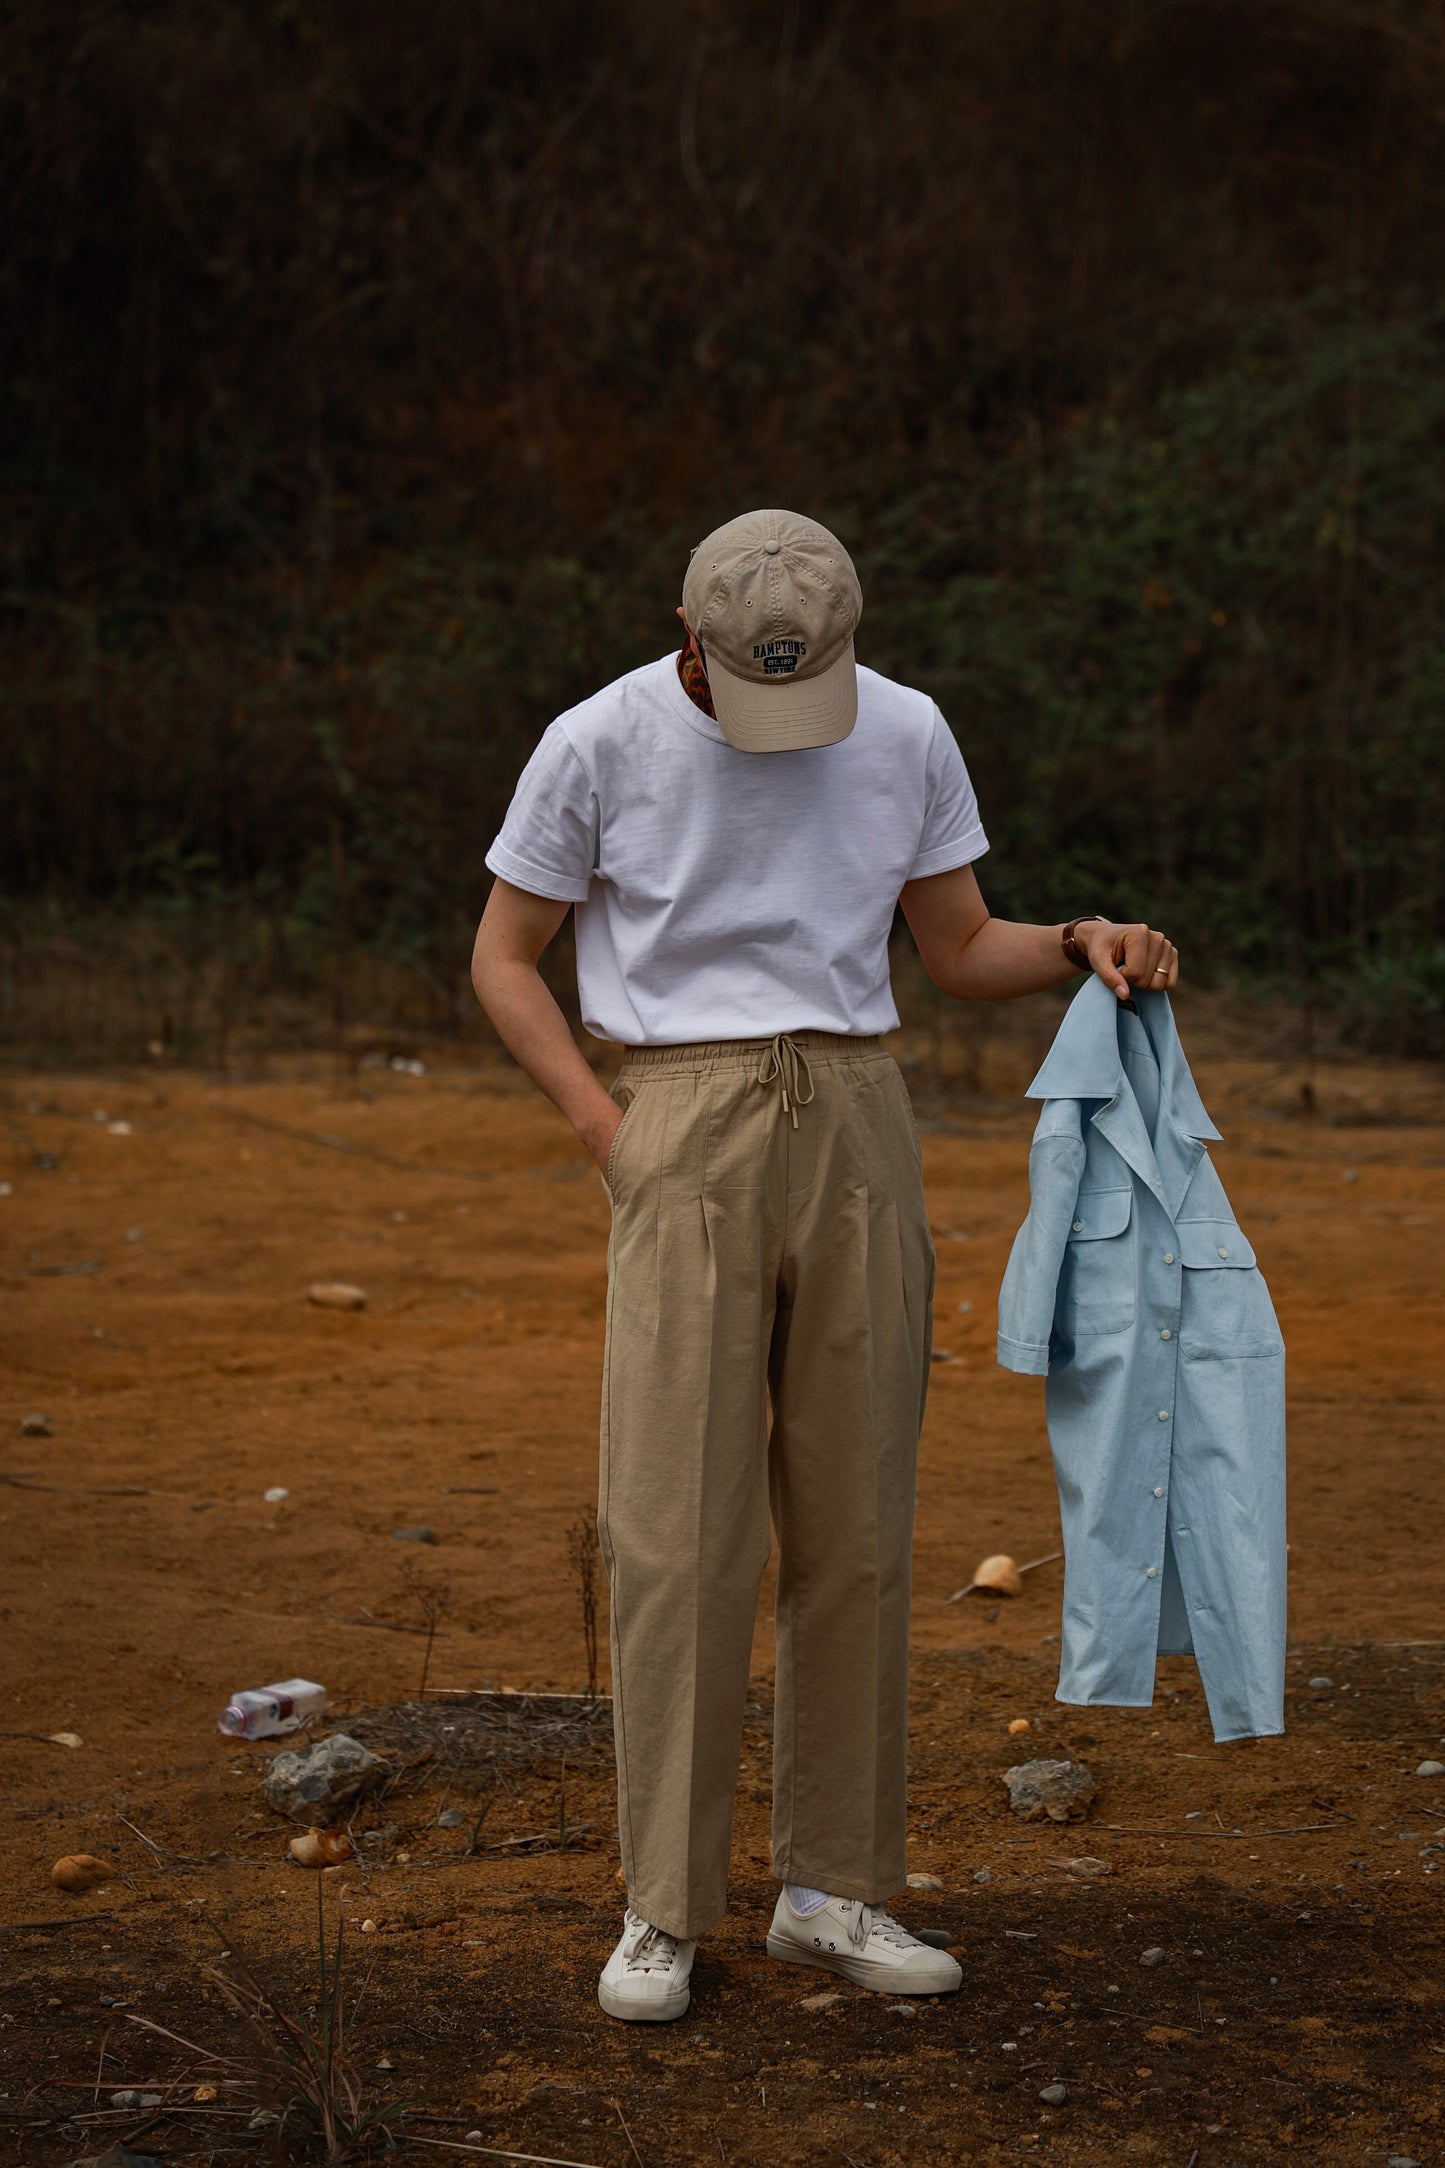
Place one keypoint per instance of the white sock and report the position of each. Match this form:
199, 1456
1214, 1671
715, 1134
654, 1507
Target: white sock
805, 1901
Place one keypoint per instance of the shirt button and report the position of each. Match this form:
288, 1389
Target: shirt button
1169, 1257
1163, 1415
1166, 1334
1158, 1490
1224, 1253
1151, 1574
1078, 1227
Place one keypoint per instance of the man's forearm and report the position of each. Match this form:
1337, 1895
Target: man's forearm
1004, 959
534, 1031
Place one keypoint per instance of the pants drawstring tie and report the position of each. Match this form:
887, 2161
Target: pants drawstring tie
784, 1063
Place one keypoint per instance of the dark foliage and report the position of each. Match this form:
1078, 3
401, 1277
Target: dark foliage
370, 370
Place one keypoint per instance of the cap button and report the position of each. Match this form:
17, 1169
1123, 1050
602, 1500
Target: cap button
772, 548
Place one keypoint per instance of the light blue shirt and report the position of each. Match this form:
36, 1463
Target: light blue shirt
1132, 1288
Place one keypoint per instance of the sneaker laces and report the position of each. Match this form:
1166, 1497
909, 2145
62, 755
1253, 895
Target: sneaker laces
646, 1948
873, 1920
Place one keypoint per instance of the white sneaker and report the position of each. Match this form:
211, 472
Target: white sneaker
864, 1943
647, 1974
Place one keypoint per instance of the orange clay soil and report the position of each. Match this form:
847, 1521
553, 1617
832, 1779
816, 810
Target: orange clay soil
154, 1283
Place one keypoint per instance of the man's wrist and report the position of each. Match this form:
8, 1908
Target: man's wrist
1074, 954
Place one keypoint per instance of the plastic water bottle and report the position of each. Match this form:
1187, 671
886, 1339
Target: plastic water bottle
264, 1712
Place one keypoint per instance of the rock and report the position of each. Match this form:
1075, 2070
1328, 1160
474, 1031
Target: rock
1086, 1868
205, 2092
1018, 1724
924, 1881
116, 2156
1055, 2095
80, 1871
903, 2009
336, 1295
936, 1938
1321, 1685
276, 1495
36, 1426
323, 1781
450, 1818
819, 2002
368, 1927
321, 1848
412, 1535
65, 1738
1430, 1769
1402, 2160
983, 1874
473, 2137
999, 1576
1060, 1790
263, 2118
1156, 1956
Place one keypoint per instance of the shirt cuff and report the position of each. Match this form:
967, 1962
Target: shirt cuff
1031, 1357
948, 857
536, 880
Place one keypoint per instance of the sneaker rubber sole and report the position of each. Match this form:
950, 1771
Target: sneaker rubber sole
657, 2010
876, 1978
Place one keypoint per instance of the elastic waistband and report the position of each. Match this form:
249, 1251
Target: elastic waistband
819, 1046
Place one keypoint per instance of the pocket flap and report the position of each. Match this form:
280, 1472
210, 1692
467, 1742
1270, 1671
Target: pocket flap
1100, 1212
1212, 1245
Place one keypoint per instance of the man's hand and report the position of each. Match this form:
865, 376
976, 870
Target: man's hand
1128, 956
598, 1134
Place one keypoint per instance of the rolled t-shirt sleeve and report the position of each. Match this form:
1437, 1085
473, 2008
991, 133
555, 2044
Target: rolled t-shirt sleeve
952, 831
548, 842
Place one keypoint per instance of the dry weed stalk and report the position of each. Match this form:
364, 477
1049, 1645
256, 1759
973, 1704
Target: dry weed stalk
583, 1553
433, 1600
299, 2061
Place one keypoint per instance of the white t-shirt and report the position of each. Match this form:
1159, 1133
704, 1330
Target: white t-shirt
728, 895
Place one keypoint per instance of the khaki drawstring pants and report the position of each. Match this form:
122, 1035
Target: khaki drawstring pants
770, 1251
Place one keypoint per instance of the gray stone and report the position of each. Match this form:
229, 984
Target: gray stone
1430, 1769
450, 1818
1060, 1790
1055, 2095
983, 1874
1156, 1956
937, 1938
1321, 1685
412, 1535
35, 1426
318, 1785
1402, 2160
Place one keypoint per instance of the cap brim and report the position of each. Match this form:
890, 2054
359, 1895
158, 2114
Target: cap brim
790, 715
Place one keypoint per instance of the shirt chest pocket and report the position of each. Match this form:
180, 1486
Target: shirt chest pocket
1226, 1312
1098, 1284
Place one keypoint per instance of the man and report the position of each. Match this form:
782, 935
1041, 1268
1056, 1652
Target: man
734, 827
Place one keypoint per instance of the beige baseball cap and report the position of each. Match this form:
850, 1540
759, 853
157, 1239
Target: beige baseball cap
773, 601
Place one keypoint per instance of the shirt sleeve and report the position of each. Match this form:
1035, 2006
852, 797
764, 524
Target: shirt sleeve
548, 842
952, 831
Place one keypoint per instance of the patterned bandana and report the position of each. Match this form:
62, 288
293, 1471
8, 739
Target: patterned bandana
694, 678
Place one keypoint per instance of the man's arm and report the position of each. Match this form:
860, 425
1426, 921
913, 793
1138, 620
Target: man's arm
515, 929
978, 958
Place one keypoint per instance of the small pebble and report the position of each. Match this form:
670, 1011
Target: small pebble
7, 1189
1087, 1868
119, 1129
1321, 1685
1055, 2095
450, 1818
263, 2119
903, 2009
473, 2137
924, 1881
35, 1426
412, 1535
936, 1938
1153, 1957
983, 1874
944, 1355
276, 1494
1018, 1724
1008, 2047
1430, 1769
132, 1234
1402, 2160
368, 1927
336, 1295
819, 2002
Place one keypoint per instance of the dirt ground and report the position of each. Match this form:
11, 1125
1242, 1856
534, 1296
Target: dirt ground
158, 1234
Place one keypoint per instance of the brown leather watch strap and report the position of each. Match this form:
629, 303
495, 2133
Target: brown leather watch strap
1072, 952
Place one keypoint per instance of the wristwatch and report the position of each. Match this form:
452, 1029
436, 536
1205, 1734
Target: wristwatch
1072, 952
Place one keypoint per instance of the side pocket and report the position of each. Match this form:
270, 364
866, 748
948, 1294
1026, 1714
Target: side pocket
626, 1098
